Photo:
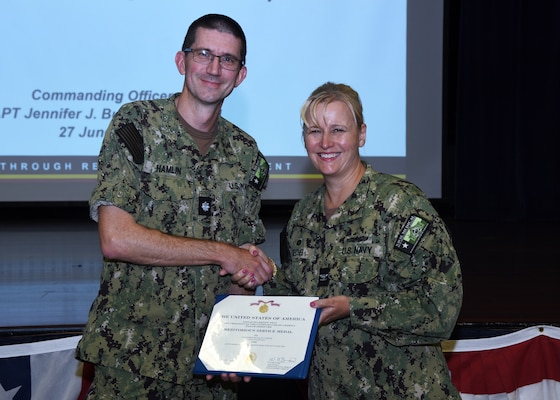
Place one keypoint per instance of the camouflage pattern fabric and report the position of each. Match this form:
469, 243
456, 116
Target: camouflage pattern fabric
390, 253
113, 383
150, 320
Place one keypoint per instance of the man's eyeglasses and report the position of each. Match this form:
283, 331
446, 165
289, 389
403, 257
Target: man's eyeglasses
204, 56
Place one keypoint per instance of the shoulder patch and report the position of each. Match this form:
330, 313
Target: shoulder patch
411, 233
133, 141
259, 173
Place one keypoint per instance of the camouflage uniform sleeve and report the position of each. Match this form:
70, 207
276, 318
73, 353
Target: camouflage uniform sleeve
419, 292
258, 183
118, 176
279, 285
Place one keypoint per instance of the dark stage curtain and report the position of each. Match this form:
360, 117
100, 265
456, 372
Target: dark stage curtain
504, 108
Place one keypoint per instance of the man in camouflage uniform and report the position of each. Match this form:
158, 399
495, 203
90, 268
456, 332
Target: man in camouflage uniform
382, 263
177, 202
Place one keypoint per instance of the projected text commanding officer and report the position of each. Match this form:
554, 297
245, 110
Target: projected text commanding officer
377, 254
177, 202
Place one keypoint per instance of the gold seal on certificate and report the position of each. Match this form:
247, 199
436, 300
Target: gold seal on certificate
267, 336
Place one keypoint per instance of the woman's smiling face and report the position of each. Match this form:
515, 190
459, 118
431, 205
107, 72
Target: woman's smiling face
333, 140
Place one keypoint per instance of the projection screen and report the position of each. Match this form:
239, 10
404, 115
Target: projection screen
68, 66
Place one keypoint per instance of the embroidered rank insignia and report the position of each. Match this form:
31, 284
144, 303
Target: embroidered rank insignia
205, 206
411, 233
259, 177
324, 277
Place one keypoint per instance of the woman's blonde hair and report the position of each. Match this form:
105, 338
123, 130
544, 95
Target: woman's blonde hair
327, 93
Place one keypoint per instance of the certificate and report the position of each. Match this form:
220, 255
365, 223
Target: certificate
266, 336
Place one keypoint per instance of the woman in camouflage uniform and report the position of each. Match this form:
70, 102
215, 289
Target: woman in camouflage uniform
375, 251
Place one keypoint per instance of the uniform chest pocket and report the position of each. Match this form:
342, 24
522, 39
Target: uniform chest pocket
360, 262
360, 269
167, 188
168, 204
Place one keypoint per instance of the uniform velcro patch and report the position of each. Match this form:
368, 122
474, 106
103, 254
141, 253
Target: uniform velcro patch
133, 141
259, 178
411, 233
205, 206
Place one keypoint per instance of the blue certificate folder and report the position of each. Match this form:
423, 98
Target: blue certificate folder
249, 322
